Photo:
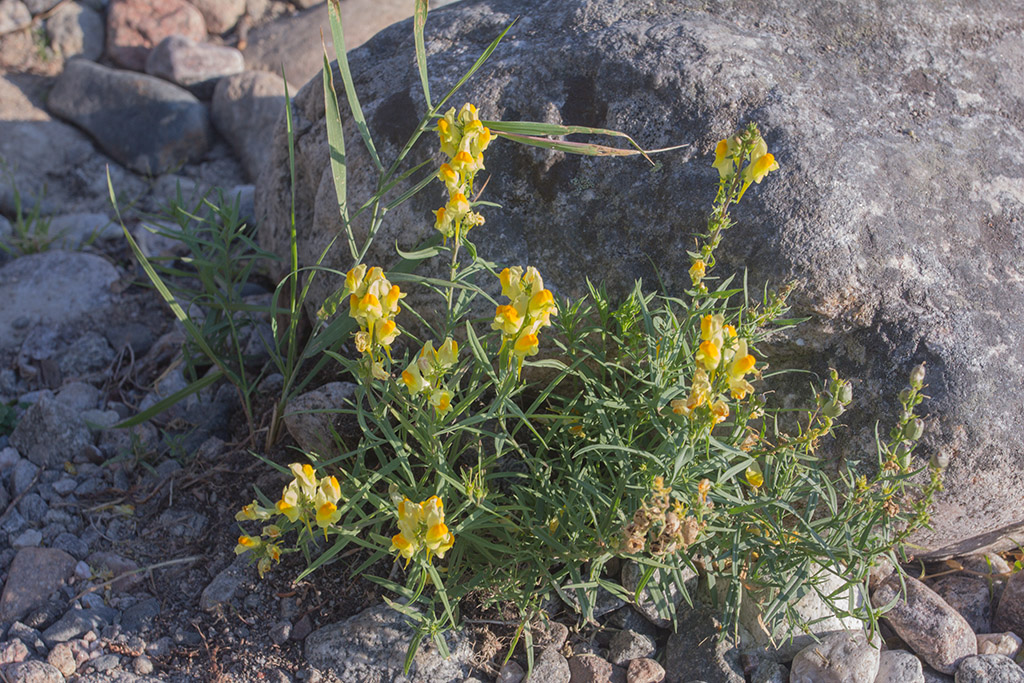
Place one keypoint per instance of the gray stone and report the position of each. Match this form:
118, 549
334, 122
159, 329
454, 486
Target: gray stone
821, 82
934, 630
220, 15
52, 286
899, 666
989, 669
33, 671
139, 617
71, 544
76, 30
14, 16
30, 538
511, 672
844, 657
1010, 612
245, 110
1008, 644
77, 622
28, 635
32, 507
194, 66
79, 396
226, 585
105, 662
312, 417
372, 645
550, 666
145, 123
87, 354
23, 476
768, 671
34, 574
294, 41
50, 433
627, 645
52, 164
114, 565
142, 665
40, 6
971, 597
699, 650
646, 671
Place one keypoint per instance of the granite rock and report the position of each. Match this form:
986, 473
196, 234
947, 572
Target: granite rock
76, 30
195, 66
245, 109
899, 666
145, 123
699, 650
34, 574
989, 669
134, 27
1009, 614
934, 630
372, 645
843, 657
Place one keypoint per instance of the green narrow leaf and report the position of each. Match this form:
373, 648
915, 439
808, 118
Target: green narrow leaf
336, 143
171, 400
334, 14
419, 22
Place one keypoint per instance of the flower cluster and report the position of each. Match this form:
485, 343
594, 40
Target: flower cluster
719, 349
463, 139
661, 525
306, 499
529, 309
425, 374
728, 156
421, 525
373, 303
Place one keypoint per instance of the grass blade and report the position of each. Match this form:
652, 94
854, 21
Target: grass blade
336, 143
334, 13
419, 21
476, 65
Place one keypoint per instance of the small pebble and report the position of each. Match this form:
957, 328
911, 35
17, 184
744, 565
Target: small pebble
142, 665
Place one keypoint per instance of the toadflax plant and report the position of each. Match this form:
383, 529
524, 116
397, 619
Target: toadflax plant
553, 436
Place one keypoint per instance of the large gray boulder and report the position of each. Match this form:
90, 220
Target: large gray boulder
897, 205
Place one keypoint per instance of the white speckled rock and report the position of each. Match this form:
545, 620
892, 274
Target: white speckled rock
1008, 644
899, 666
989, 669
845, 657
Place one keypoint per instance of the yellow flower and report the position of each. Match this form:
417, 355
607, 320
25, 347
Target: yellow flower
448, 354
305, 475
510, 279
724, 152
542, 305
386, 334
507, 319
741, 364
443, 222
404, 546
354, 278
414, 381
754, 476
702, 490
289, 503
712, 328
709, 355
699, 392
719, 411
761, 163
526, 345
697, 271
450, 177
466, 164
441, 399
439, 540
252, 511
365, 309
247, 543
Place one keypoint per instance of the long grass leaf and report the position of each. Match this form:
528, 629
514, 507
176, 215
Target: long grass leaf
338, 34
419, 22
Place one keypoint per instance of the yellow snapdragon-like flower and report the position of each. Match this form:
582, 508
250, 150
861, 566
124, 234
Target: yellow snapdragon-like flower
529, 311
697, 272
699, 393
373, 303
463, 140
422, 526
725, 152
741, 364
426, 373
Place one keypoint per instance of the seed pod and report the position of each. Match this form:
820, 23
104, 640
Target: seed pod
940, 460
913, 429
845, 393
904, 396
832, 410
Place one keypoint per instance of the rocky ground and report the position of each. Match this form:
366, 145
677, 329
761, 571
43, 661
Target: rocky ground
116, 546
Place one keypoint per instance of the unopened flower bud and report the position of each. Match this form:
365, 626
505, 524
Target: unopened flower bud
913, 430
917, 376
904, 395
